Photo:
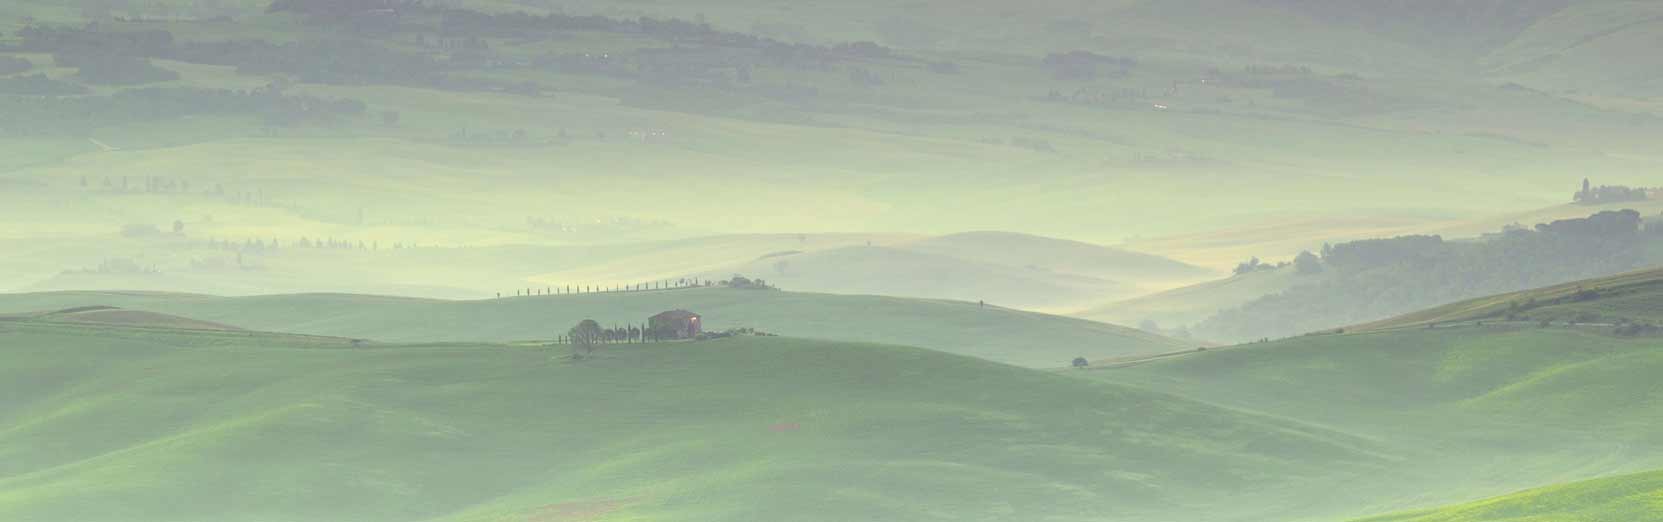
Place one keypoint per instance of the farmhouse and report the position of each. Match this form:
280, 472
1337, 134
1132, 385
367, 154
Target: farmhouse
675, 324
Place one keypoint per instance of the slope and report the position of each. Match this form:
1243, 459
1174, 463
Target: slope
1631, 498
1631, 297
1476, 411
113, 424
1010, 336
1060, 255
1191, 304
102, 315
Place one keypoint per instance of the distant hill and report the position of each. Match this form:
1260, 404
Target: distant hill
999, 334
1626, 498
118, 317
1181, 307
1375, 279
1013, 270
1008, 269
1097, 121
904, 272
1632, 297
730, 430
1059, 255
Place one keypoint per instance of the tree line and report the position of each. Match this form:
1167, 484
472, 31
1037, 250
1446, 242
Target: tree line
652, 286
588, 335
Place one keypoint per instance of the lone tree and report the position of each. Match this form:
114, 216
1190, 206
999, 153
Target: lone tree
1080, 362
585, 336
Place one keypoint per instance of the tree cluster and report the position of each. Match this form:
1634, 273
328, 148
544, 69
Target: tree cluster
589, 334
742, 282
1255, 265
1379, 278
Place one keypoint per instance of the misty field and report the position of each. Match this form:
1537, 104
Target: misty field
158, 424
731, 260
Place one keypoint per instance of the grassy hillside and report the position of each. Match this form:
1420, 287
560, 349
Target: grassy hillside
1472, 411
120, 424
1059, 255
1015, 337
1191, 304
1631, 297
1630, 498
100, 315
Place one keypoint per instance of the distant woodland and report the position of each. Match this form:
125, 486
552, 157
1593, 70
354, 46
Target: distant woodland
1378, 278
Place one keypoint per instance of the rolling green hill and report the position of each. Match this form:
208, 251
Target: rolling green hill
1472, 411
101, 315
1627, 498
110, 423
1010, 336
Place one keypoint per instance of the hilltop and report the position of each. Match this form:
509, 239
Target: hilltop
989, 332
736, 429
1059, 255
112, 316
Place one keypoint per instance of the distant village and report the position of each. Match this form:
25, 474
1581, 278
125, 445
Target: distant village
1592, 195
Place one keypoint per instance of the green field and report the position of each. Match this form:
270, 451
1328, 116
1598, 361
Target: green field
286, 260
1316, 428
1010, 336
1470, 412
126, 424
1627, 498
